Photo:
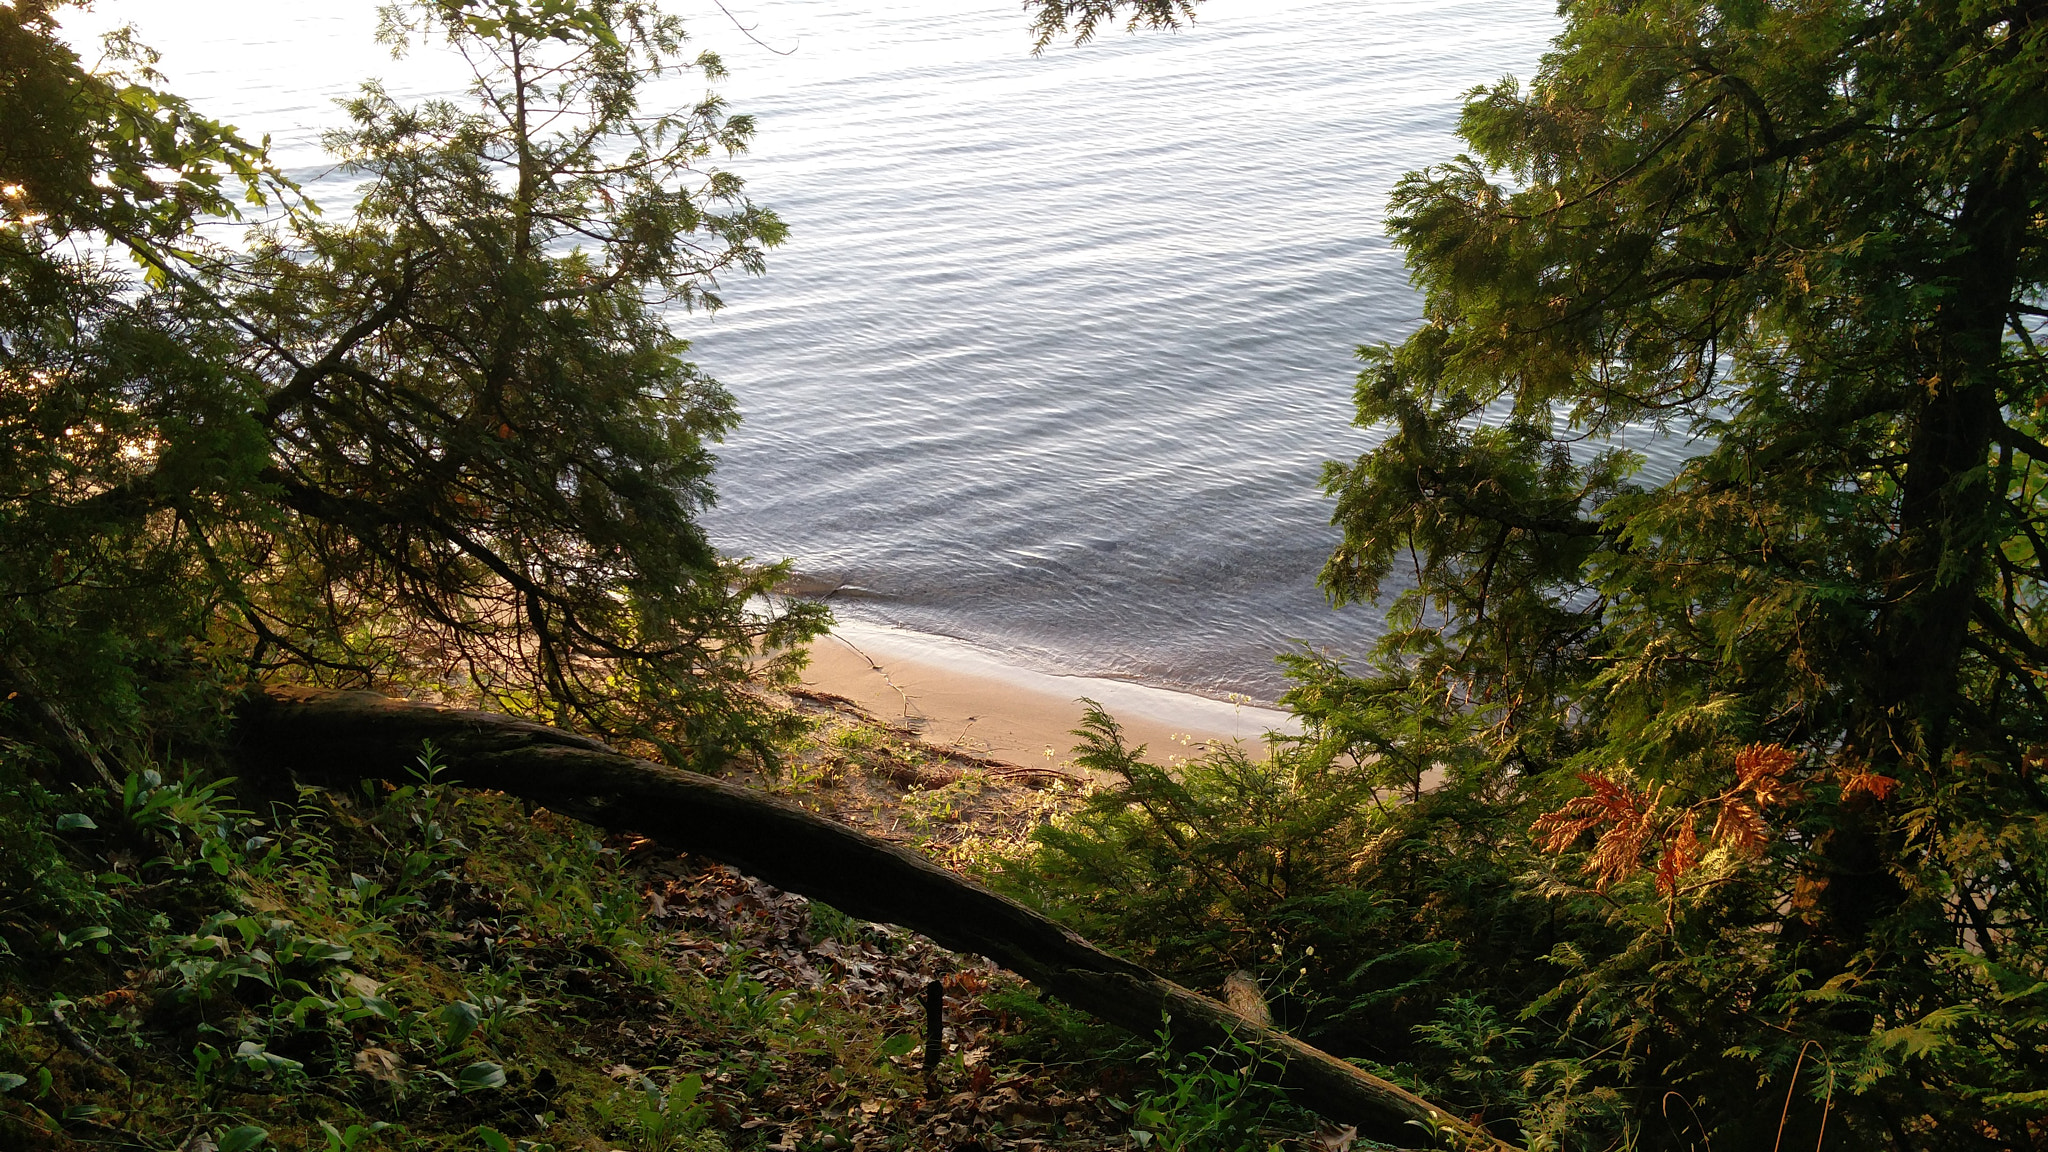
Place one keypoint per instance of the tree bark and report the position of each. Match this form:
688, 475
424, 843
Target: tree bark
1947, 527
1946, 520
346, 736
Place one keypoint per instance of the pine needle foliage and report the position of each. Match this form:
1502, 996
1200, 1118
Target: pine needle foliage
1747, 746
1773, 708
1213, 856
446, 440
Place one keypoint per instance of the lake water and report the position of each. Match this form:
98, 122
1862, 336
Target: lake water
1059, 343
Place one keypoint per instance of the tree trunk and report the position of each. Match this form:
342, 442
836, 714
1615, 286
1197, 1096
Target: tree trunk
346, 736
1945, 530
1946, 501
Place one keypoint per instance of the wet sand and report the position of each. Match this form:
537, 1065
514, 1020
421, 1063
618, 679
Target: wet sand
954, 694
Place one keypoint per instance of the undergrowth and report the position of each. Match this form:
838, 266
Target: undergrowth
192, 963
1404, 904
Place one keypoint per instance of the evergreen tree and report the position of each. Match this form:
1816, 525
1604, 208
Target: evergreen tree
1763, 734
1799, 681
448, 440
491, 446
108, 385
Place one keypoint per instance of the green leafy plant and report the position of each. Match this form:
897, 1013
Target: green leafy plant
241, 1138
743, 1002
675, 1120
351, 1138
672, 1120
494, 1003
496, 1141
1220, 1100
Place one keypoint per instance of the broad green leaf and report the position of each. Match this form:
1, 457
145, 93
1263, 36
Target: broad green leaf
244, 1138
899, 1045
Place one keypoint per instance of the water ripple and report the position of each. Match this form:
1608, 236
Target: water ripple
1059, 344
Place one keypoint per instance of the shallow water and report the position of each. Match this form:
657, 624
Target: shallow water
1059, 344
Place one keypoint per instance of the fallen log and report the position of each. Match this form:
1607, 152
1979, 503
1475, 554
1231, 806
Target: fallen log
348, 736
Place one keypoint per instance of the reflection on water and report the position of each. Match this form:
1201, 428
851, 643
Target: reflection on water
1059, 344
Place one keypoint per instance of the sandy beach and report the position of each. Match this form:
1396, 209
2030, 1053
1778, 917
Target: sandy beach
955, 694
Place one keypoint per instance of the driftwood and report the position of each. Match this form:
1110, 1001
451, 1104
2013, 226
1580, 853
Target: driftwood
359, 735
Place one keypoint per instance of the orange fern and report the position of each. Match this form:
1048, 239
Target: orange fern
1678, 857
1762, 770
1610, 803
1632, 823
1627, 813
1859, 780
1740, 827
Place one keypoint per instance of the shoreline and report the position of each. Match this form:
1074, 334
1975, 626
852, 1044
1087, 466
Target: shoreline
957, 695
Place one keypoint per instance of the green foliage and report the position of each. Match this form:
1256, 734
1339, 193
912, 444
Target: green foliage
399, 967
829, 923
36, 886
1789, 693
1382, 923
260, 1002
107, 150
511, 331
1721, 781
446, 440
242, 1138
671, 1121
1215, 1101
1430, 936
101, 384
1052, 19
1220, 863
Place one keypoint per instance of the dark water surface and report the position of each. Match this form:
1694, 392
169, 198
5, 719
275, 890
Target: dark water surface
1059, 344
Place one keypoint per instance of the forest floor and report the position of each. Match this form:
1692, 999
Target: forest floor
431, 968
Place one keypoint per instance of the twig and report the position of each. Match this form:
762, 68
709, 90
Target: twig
749, 32
73, 1040
1792, 1088
1015, 771
960, 742
879, 671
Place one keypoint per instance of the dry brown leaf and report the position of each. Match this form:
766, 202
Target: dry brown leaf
1558, 830
1680, 855
1765, 770
1861, 781
381, 1064
1740, 828
1242, 993
1336, 1139
1618, 851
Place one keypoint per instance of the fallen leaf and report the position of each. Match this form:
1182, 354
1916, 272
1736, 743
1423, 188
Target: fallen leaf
381, 1064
